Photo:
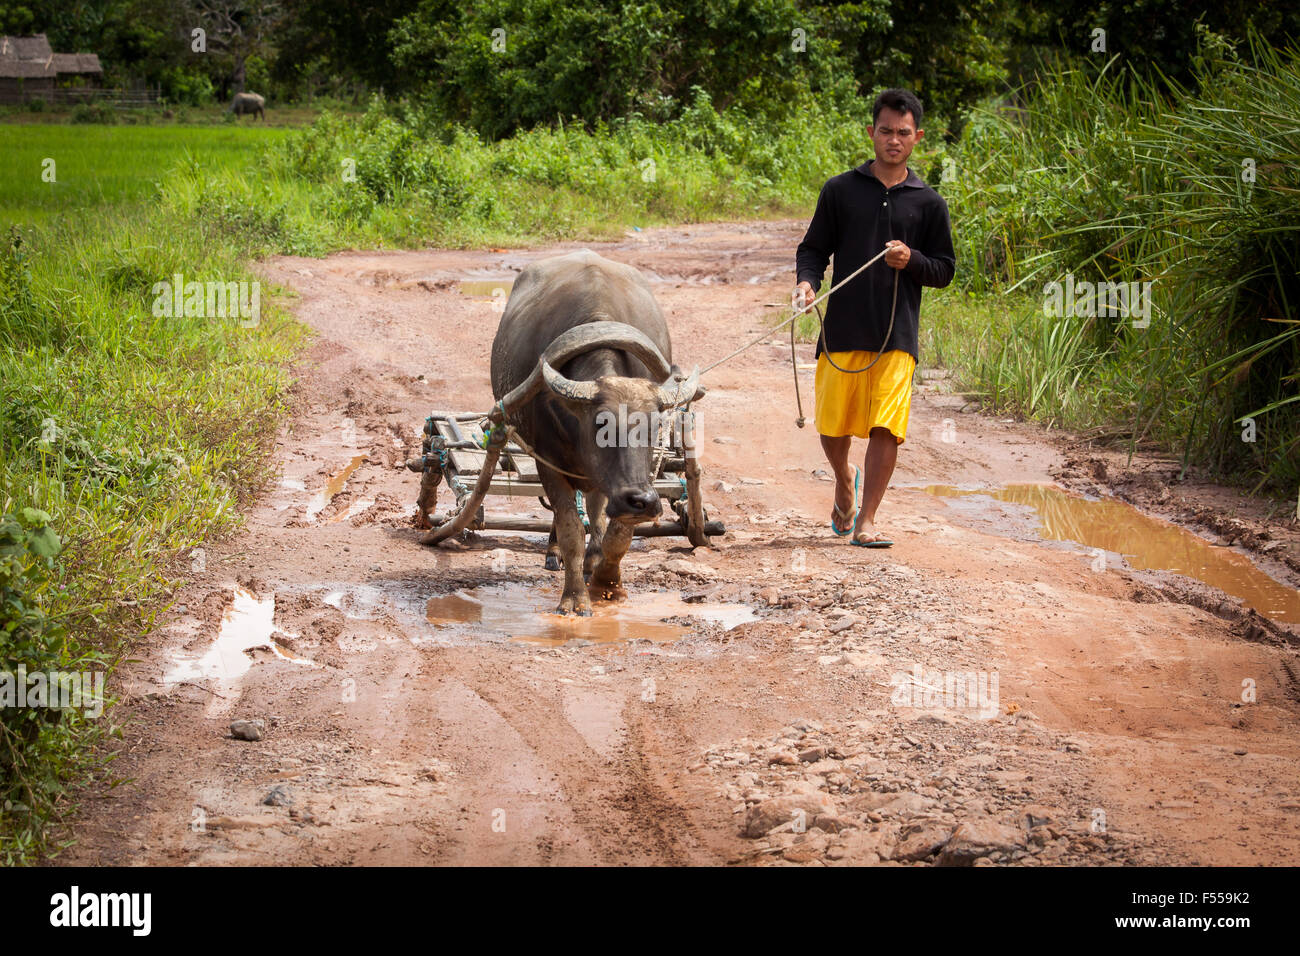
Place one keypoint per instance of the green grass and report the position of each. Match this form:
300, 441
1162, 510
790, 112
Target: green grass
98, 167
140, 436
1103, 176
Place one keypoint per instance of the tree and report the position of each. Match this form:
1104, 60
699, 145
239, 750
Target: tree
503, 65
348, 39
236, 30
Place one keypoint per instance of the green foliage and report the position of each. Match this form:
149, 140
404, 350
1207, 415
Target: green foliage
15, 280
178, 85
598, 60
37, 741
951, 53
94, 113
506, 65
338, 43
139, 434
400, 175
1156, 39
1106, 175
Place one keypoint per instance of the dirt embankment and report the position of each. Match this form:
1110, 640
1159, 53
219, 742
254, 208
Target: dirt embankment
1110, 723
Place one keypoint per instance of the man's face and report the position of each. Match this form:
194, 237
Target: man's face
894, 135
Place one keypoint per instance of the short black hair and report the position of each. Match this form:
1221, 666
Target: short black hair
901, 101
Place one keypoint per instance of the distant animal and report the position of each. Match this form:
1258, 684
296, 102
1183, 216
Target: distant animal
598, 322
248, 103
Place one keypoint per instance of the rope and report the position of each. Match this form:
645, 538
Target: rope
821, 337
514, 433
794, 367
799, 312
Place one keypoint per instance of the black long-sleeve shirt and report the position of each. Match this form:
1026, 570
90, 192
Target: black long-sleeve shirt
855, 216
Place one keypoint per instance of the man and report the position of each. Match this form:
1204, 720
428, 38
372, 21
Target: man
880, 205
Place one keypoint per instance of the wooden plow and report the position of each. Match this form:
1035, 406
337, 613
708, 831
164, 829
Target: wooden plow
456, 450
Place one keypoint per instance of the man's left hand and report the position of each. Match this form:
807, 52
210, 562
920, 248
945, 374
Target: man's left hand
898, 254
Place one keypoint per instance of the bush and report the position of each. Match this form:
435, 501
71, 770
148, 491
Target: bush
94, 113
36, 740
1106, 175
184, 87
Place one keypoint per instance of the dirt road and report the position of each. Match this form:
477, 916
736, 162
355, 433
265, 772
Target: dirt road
420, 707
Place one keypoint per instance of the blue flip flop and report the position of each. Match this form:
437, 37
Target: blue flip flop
877, 543
835, 510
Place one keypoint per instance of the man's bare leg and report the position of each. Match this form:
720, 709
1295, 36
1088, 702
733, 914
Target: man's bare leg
837, 453
878, 468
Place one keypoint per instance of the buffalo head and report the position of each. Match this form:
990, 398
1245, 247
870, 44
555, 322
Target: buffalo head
618, 418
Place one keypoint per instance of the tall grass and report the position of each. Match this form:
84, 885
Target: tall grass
398, 176
125, 438
1101, 175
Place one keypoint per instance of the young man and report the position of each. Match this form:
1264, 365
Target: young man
881, 204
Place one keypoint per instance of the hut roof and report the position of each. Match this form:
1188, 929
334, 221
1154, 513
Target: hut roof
26, 48
77, 63
25, 69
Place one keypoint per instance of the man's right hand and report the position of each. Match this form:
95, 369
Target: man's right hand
803, 296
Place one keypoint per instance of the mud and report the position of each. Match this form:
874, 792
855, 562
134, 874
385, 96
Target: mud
1115, 530
1140, 716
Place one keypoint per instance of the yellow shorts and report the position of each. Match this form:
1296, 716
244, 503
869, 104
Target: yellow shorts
855, 404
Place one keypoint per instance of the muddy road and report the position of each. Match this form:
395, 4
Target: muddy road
781, 698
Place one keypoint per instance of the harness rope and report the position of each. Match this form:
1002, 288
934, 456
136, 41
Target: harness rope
800, 311
514, 433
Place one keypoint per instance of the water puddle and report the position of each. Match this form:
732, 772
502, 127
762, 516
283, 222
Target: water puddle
526, 614
487, 288
1147, 543
337, 481
362, 602
247, 623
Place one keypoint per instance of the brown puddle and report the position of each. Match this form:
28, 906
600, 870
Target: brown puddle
247, 623
489, 288
527, 614
332, 487
1146, 543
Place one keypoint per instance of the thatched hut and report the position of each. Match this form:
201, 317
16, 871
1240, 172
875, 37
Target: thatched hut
30, 70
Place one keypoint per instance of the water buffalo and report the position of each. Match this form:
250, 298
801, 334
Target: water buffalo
248, 103
598, 322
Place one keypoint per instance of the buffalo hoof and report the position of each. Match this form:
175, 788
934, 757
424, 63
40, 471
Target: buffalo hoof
574, 605
554, 562
606, 592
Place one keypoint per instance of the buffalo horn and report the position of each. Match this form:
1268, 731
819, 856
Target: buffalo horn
576, 341
677, 391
